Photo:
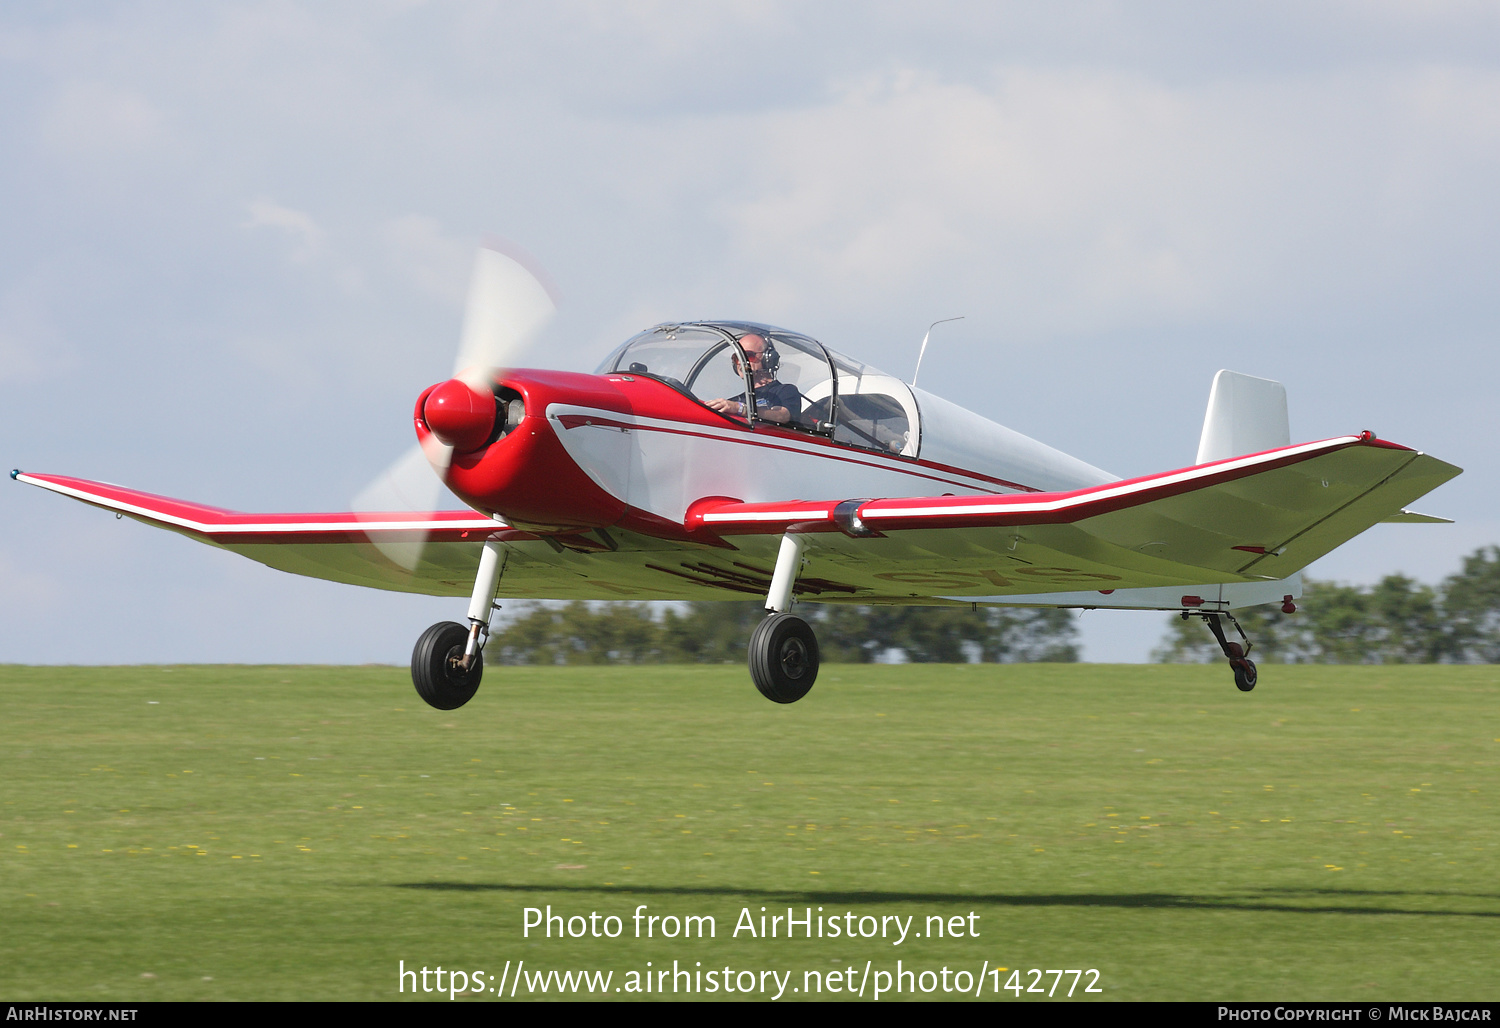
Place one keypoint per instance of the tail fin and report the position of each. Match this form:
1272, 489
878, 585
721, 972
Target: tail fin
1245, 415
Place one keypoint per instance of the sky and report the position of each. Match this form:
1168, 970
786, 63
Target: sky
236, 239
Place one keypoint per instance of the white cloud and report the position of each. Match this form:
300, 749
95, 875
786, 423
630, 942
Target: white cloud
306, 236
1085, 199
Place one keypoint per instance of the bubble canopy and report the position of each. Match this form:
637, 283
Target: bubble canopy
831, 395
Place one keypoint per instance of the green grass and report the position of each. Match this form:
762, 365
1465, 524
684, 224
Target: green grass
294, 832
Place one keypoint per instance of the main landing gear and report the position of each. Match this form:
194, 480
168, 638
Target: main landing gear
448, 661
783, 648
438, 667
1245, 674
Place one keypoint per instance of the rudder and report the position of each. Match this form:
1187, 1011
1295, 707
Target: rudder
1245, 415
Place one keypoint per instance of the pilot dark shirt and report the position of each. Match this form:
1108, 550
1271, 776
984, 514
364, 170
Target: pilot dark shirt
779, 394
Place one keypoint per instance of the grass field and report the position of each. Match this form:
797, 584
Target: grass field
295, 832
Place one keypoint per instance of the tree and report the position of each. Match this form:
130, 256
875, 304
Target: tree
1277, 639
1396, 621
948, 634
709, 632
1339, 624
719, 632
621, 633
1032, 635
529, 638
1410, 627
1471, 601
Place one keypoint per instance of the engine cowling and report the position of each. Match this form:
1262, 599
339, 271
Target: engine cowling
520, 472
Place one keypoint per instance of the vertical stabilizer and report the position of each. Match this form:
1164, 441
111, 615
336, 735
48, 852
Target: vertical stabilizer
1245, 415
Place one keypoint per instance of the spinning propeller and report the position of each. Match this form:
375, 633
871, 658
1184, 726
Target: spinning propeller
507, 306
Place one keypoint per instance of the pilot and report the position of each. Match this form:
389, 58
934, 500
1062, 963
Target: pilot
774, 401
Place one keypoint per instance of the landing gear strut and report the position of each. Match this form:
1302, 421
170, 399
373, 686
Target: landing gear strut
1245, 674
448, 660
783, 648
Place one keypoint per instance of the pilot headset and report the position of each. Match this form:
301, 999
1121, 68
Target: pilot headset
770, 360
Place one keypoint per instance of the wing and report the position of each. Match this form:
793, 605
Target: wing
1249, 521
371, 549
1254, 519
340, 547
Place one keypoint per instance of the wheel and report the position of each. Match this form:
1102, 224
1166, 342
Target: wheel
1245, 674
435, 671
783, 658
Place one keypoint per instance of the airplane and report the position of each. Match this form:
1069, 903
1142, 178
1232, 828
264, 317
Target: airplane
729, 459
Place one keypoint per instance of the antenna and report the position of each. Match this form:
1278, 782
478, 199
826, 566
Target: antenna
926, 337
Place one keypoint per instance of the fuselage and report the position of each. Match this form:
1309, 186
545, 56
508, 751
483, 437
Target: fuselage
637, 449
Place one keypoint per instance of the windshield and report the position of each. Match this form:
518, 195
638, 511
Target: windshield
692, 358
792, 380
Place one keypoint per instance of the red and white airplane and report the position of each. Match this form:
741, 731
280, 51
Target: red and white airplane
725, 459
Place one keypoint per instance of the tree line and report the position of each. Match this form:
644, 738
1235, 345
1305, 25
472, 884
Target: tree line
1395, 621
709, 632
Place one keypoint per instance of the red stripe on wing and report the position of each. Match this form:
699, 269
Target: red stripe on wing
731, 518
218, 525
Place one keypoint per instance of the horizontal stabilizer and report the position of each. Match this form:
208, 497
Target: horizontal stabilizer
1411, 517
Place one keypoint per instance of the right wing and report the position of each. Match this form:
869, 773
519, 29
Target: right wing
1257, 518
434, 552
341, 547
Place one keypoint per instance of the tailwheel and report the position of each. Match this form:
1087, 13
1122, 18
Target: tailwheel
783, 658
1244, 674
438, 669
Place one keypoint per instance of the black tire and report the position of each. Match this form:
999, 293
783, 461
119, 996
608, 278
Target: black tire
1245, 675
783, 658
434, 671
